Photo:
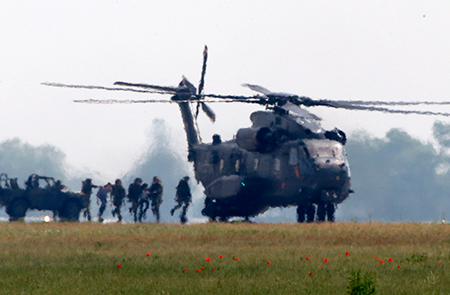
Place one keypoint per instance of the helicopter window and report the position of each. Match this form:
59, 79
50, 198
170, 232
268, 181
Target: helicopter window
255, 167
293, 156
277, 165
236, 166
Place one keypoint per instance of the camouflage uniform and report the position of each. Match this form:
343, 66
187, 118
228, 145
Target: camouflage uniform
156, 191
86, 190
102, 196
143, 202
134, 192
117, 195
183, 198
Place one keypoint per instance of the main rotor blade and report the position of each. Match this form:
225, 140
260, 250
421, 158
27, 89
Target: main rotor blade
208, 111
258, 88
386, 110
393, 103
171, 89
102, 88
306, 101
129, 101
202, 79
120, 101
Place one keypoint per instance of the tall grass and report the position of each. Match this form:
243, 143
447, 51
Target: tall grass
84, 258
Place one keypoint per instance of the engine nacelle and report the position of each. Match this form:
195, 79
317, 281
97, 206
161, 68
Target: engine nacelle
256, 139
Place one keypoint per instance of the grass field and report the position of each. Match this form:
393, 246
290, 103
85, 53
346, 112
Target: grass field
84, 258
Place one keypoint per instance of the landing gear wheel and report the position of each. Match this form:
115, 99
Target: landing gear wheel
71, 211
17, 210
310, 213
331, 209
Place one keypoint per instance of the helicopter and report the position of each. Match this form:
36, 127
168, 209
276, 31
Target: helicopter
284, 159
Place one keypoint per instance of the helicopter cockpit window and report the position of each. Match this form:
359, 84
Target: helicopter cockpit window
293, 156
323, 152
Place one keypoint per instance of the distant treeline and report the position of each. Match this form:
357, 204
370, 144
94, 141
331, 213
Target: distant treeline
399, 178
395, 178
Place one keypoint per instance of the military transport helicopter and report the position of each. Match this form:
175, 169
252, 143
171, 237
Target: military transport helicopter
284, 159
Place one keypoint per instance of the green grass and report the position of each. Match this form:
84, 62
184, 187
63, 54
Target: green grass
83, 258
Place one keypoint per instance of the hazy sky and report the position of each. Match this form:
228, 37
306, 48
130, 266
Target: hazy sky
362, 50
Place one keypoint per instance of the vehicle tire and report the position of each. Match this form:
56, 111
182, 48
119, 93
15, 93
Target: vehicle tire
223, 218
17, 209
71, 211
310, 213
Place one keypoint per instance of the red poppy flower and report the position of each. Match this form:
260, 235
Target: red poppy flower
198, 270
325, 260
307, 258
381, 261
390, 259
148, 254
235, 258
310, 274
185, 270
440, 262
398, 266
346, 253
220, 256
208, 259
119, 265
376, 258
214, 268
268, 262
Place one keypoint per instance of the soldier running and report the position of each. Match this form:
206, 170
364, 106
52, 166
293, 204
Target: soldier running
156, 191
102, 196
183, 198
86, 189
134, 192
117, 196
143, 202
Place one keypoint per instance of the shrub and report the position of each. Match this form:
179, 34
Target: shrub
361, 285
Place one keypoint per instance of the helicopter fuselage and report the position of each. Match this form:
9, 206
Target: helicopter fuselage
245, 183
282, 160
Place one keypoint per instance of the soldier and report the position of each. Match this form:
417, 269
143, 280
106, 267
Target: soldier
102, 196
134, 192
86, 189
117, 195
183, 197
156, 191
143, 202
59, 186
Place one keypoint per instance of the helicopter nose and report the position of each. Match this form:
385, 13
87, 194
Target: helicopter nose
331, 169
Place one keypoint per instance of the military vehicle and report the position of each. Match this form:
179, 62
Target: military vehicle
41, 193
284, 159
